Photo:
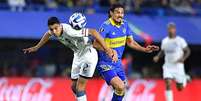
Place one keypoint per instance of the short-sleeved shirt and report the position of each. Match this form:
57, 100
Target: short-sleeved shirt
115, 37
173, 48
77, 40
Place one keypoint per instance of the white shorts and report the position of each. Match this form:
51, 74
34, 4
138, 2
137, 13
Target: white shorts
84, 65
174, 71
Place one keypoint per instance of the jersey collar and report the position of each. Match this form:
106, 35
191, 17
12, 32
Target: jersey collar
114, 24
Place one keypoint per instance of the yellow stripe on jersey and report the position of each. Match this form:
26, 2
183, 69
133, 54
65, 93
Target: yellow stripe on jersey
115, 42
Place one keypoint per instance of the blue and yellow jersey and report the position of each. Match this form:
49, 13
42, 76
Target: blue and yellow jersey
115, 37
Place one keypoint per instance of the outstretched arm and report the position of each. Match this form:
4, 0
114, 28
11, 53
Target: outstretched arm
134, 45
43, 40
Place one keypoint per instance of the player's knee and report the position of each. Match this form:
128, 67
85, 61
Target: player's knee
120, 89
80, 87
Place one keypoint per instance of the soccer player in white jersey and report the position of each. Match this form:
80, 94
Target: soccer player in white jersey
176, 51
75, 36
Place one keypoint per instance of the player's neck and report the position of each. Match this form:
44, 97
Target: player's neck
172, 37
115, 22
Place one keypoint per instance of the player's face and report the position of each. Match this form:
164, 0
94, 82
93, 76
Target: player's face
56, 29
172, 31
118, 15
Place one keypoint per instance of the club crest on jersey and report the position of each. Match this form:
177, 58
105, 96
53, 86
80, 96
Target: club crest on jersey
113, 33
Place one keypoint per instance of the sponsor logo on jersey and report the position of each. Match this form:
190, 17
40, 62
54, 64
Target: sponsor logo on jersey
106, 67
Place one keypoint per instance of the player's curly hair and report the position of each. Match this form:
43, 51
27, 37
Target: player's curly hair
114, 6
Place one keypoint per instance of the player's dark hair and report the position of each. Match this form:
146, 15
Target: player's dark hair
114, 6
53, 20
171, 25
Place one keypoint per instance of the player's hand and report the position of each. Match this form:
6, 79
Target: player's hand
115, 56
181, 60
156, 59
112, 54
30, 50
151, 48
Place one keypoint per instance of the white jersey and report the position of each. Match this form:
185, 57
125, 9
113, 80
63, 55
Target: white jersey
77, 40
173, 48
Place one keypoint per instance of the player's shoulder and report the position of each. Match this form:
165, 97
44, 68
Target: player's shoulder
105, 26
67, 28
107, 22
180, 38
165, 39
65, 25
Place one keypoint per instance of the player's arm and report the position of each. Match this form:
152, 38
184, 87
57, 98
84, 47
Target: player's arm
186, 50
134, 45
97, 46
158, 56
43, 40
100, 44
187, 53
99, 40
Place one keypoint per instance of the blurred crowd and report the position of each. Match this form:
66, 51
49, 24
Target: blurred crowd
91, 6
40, 64
54, 60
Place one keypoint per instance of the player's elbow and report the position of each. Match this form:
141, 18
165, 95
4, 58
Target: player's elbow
96, 45
189, 51
131, 45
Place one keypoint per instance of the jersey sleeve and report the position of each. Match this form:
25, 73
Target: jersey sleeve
104, 30
129, 32
183, 43
163, 45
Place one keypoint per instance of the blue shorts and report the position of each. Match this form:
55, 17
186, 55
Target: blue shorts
110, 70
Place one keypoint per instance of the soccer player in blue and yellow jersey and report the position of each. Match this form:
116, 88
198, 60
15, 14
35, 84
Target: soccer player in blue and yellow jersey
117, 34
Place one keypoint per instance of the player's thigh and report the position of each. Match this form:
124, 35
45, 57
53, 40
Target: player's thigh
75, 68
180, 76
122, 75
107, 72
167, 72
89, 62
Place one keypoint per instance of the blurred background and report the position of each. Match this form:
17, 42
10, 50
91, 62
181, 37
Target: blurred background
23, 23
